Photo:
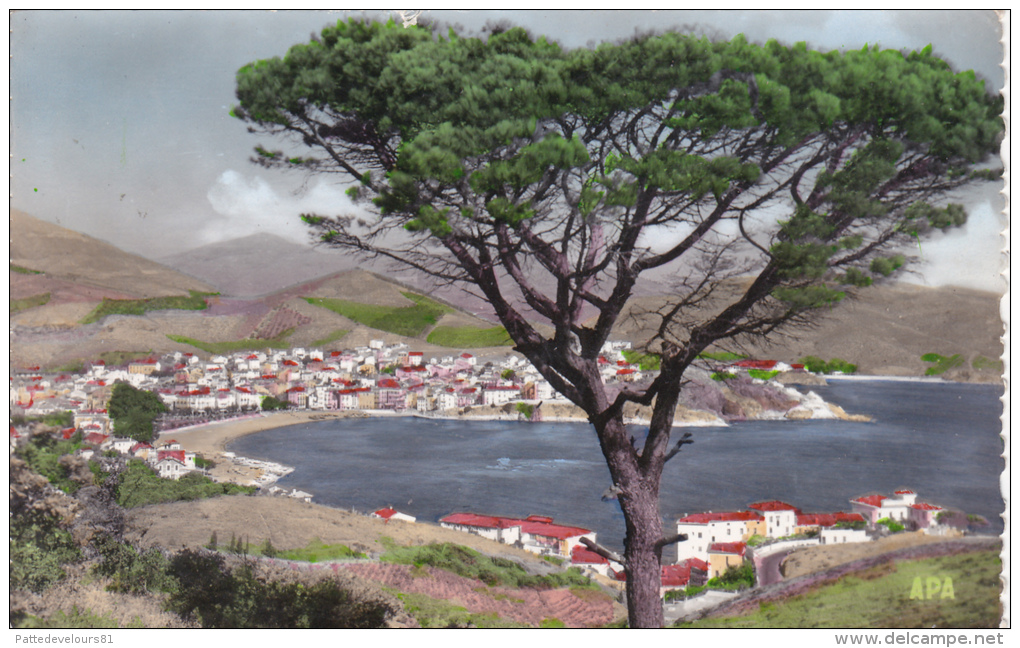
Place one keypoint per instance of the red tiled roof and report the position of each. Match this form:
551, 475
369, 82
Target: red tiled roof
730, 516
581, 556
170, 454
904, 492
737, 548
475, 520
870, 500
827, 519
755, 364
386, 513
924, 506
773, 505
679, 575
549, 530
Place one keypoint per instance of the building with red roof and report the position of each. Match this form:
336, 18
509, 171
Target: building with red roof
536, 533
724, 555
780, 517
703, 529
390, 513
877, 507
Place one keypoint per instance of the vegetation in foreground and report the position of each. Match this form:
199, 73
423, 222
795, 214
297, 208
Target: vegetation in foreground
439, 613
941, 364
50, 532
194, 301
494, 572
409, 321
469, 337
960, 591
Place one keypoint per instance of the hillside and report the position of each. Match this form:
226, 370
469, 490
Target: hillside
78, 263
885, 330
257, 265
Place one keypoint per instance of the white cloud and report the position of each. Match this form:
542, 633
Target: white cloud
249, 205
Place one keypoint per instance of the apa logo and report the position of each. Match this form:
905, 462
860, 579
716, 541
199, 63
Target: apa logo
927, 588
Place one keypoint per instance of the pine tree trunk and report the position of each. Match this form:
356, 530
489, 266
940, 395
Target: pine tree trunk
644, 556
639, 500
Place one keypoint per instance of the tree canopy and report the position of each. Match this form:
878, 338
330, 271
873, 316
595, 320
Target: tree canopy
133, 411
764, 180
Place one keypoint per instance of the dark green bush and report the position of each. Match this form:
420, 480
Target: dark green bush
39, 549
217, 596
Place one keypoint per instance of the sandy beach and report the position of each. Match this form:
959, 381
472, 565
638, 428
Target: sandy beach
210, 441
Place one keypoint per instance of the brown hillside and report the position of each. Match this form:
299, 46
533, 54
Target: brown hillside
80, 259
885, 331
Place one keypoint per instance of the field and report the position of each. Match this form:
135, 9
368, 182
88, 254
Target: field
222, 348
469, 337
410, 321
956, 591
194, 301
18, 305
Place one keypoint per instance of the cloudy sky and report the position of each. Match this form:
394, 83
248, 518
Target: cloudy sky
119, 124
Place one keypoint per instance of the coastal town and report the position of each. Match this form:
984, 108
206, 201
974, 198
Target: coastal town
393, 379
378, 379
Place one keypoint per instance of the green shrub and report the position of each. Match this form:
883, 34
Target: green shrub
762, 374
75, 619
133, 411
644, 361
814, 364
220, 597
894, 527
437, 613
552, 622
491, 571
140, 486
317, 550
130, 572
272, 403
942, 363
39, 549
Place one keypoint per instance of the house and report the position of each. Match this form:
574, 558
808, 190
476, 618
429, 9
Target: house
536, 533
924, 515
500, 394
500, 529
704, 529
723, 555
878, 507
590, 562
780, 517
170, 467
540, 535
391, 514
690, 572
